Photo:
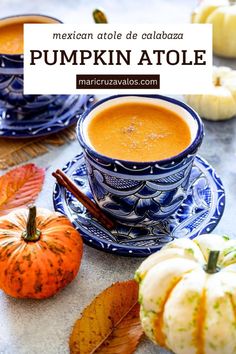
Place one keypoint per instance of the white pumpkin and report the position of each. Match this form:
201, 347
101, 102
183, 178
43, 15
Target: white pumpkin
220, 103
188, 303
222, 15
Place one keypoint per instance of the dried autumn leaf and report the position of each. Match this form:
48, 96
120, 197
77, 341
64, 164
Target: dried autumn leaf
20, 187
110, 324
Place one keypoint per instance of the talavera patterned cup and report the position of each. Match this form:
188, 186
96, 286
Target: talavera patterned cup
13, 103
140, 193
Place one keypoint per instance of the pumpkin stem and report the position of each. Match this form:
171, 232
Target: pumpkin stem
211, 266
31, 233
99, 16
218, 82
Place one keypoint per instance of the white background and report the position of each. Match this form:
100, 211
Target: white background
175, 79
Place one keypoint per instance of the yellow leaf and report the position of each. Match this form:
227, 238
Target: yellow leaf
110, 324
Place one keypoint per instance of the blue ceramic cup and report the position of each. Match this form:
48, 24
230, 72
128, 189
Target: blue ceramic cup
14, 104
140, 193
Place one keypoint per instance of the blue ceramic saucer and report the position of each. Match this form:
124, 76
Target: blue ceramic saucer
60, 114
199, 213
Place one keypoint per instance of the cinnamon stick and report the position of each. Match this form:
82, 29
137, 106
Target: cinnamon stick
94, 210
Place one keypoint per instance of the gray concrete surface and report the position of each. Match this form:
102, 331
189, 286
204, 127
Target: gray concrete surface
43, 327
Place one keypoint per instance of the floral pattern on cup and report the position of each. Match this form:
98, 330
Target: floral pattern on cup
198, 214
144, 200
140, 193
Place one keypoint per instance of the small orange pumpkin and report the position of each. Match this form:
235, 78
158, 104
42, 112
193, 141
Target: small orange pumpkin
39, 254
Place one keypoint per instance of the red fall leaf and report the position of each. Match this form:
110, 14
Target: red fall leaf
20, 187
